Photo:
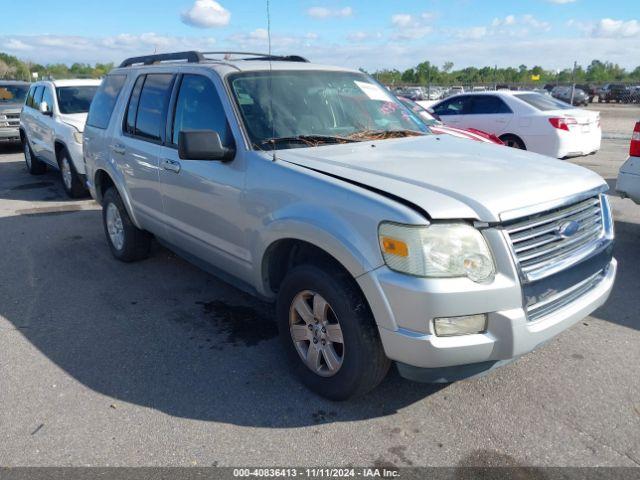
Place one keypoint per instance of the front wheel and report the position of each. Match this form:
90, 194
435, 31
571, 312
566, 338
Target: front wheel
127, 242
71, 181
34, 166
329, 334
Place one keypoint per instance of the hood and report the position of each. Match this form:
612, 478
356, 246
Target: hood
10, 107
76, 120
448, 177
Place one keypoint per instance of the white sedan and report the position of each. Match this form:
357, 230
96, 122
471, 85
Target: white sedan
525, 120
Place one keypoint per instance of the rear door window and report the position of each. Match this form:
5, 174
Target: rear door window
132, 108
105, 100
152, 106
487, 105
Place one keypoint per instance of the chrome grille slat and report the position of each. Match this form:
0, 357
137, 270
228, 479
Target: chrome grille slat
526, 235
541, 220
560, 243
548, 236
537, 243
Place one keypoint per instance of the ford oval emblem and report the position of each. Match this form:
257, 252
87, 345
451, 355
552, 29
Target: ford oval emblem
568, 229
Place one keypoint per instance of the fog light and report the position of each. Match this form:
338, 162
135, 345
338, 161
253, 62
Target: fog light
467, 325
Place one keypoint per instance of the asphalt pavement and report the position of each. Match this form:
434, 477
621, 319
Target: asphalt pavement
158, 363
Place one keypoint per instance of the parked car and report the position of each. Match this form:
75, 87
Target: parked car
634, 93
613, 92
51, 126
526, 120
589, 89
628, 185
564, 94
455, 90
314, 188
436, 126
12, 95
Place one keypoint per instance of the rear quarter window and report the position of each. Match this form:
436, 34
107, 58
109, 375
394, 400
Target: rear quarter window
105, 100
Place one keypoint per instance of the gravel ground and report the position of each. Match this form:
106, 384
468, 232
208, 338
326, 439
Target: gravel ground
157, 363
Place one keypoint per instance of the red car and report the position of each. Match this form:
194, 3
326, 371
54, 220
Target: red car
436, 126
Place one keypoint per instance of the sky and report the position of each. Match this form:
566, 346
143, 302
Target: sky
371, 34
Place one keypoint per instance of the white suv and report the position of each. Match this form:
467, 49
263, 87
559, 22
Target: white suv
51, 125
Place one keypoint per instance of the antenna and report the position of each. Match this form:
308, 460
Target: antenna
273, 123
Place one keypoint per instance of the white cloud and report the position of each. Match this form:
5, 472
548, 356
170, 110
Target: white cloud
323, 12
357, 37
206, 14
15, 45
610, 28
411, 27
69, 49
402, 20
259, 39
561, 2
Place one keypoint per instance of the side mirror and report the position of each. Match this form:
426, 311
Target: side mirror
44, 109
203, 145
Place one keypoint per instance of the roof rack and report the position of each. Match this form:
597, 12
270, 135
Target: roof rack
198, 57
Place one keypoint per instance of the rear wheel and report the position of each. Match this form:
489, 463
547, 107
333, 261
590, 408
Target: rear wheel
329, 334
127, 242
71, 181
34, 166
513, 142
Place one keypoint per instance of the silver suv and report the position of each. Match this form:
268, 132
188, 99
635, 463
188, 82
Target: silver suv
313, 187
12, 95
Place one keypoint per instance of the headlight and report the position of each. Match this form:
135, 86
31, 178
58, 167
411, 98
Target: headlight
77, 136
438, 250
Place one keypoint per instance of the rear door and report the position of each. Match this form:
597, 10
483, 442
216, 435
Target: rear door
139, 147
203, 199
488, 113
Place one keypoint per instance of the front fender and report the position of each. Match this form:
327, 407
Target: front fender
354, 247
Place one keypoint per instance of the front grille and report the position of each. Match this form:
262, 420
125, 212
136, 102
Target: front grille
537, 240
11, 116
564, 298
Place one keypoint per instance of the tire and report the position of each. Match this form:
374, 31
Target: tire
127, 242
513, 142
71, 181
361, 361
34, 166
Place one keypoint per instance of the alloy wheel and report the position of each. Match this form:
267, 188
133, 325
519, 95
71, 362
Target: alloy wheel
316, 333
115, 227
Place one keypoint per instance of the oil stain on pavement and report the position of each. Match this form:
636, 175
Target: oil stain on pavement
242, 324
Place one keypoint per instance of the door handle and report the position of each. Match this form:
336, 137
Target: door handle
171, 165
119, 149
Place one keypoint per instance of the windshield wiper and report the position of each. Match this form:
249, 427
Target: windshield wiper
309, 140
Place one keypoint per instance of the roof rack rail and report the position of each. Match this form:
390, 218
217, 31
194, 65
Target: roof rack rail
261, 56
190, 57
197, 57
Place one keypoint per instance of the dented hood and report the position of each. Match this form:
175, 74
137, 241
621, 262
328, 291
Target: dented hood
76, 120
450, 178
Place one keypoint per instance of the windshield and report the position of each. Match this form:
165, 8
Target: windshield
542, 102
318, 106
13, 93
75, 99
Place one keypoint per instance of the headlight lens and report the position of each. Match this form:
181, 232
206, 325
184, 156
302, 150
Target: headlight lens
77, 136
438, 250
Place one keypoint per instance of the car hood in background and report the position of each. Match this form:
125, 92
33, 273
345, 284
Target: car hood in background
450, 178
76, 120
10, 107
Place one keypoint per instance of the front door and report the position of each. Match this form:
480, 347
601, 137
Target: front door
203, 199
